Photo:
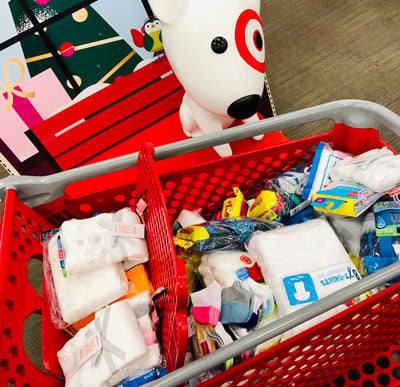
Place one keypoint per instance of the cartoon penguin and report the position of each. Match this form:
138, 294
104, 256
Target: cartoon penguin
150, 38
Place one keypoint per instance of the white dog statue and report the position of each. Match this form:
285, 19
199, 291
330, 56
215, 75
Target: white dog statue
216, 49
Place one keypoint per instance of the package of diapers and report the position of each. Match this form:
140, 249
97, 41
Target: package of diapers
75, 296
102, 240
302, 263
105, 351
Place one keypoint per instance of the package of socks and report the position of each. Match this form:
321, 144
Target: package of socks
130, 340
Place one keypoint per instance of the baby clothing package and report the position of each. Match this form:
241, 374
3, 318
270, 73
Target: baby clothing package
74, 297
102, 240
302, 263
105, 351
377, 169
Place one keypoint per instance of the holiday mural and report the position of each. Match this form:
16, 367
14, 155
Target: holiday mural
54, 53
150, 37
82, 48
75, 50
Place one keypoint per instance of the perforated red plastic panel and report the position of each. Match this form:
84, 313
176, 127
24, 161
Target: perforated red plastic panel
208, 185
166, 270
383, 369
326, 351
19, 241
343, 346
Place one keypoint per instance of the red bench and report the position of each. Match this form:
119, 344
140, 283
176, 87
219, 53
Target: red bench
111, 118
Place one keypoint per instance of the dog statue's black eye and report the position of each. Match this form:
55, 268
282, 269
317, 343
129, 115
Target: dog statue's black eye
219, 45
258, 40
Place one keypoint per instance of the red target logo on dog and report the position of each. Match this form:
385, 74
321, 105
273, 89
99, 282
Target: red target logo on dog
216, 49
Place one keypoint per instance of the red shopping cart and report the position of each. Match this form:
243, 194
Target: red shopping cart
321, 354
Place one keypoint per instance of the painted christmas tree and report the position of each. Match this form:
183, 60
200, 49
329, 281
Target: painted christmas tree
90, 48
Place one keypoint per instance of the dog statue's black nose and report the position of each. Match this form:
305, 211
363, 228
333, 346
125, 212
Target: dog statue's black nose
244, 107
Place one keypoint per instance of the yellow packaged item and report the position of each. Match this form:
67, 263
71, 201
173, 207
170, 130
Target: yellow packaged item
233, 207
347, 199
265, 206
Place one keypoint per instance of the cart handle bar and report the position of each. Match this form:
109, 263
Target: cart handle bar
278, 327
38, 190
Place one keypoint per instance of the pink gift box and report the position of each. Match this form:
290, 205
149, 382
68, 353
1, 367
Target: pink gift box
19, 113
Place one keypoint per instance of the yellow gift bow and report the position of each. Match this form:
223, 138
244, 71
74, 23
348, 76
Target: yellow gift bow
9, 87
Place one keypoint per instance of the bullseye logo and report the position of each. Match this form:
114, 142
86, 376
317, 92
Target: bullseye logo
249, 39
246, 260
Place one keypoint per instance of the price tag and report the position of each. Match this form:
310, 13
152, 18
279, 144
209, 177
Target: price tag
128, 230
92, 346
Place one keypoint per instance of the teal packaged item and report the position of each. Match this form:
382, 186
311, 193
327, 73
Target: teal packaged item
374, 246
387, 218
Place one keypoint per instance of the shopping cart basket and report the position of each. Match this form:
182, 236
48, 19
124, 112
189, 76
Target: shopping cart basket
314, 357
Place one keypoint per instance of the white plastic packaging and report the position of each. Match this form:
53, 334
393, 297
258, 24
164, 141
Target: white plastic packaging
302, 263
349, 231
73, 297
377, 169
102, 240
221, 266
103, 352
324, 161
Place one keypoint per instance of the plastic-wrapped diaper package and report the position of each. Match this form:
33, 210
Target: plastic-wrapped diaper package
221, 266
102, 240
138, 282
105, 351
73, 297
302, 263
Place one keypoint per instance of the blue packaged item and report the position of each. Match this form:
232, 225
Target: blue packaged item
374, 246
222, 234
387, 218
307, 213
373, 264
148, 377
325, 158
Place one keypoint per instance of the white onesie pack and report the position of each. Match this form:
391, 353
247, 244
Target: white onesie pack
302, 263
377, 169
104, 352
102, 240
76, 296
